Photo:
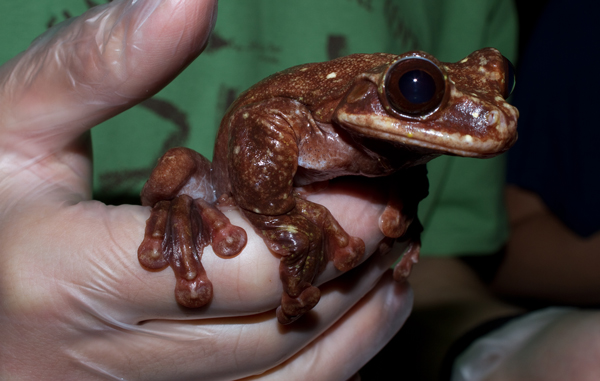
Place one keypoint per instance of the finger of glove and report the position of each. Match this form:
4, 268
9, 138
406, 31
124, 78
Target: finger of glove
108, 281
92, 67
340, 352
84, 283
225, 349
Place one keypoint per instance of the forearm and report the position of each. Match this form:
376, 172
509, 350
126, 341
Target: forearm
544, 259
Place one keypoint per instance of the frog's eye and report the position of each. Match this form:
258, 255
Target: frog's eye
415, 86
510, 79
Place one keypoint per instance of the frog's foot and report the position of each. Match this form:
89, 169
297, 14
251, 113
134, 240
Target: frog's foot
170, 239
306, 238
406, 189
392, 222
292, 308
176, 234
226, 239
343, 249
410, 257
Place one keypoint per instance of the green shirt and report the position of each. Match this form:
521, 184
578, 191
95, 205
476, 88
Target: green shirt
252, 39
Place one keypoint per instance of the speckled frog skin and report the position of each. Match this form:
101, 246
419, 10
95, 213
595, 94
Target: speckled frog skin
369, 115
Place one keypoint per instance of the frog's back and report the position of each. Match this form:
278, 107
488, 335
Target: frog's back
314, 83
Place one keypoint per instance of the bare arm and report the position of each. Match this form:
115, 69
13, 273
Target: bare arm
544, 259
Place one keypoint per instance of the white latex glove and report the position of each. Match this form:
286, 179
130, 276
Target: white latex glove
75, 303
555, 343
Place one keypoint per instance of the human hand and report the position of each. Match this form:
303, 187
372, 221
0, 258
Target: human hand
74, 302
555, 343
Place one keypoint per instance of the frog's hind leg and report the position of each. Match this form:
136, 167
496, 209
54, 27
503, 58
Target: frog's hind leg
306, 238
344, 250
173, 237
410, 257
180, 227
177, 233
263, 161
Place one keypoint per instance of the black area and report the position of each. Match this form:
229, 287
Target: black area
404, 357
556, 155
529, 12
118, 199
485, 266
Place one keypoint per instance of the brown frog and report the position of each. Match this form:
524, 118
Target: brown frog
370, 115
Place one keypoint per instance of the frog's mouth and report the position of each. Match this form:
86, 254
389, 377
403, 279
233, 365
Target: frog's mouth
432, 137
483, 131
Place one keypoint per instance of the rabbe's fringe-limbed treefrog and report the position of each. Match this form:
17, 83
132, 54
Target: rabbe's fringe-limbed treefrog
366, 115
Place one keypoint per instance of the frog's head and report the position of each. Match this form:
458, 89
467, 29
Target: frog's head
456, 108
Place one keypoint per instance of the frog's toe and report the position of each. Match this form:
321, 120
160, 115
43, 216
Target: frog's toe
193, 293
174, 236
293, 308
392, 222
150, 252
184, 246
226, 239
343, 249
347, 257
229, 241
410, 258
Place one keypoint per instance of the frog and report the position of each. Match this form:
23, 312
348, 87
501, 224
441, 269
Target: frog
377, 115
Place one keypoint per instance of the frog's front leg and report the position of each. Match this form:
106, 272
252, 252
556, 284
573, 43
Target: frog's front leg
399, 219
306, 238
263, 160
183, 221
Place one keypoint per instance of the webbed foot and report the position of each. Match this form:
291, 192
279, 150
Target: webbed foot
306, 238
177, 233
180, 227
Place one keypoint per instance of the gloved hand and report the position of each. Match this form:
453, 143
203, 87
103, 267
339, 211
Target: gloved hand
75, 303
554, 343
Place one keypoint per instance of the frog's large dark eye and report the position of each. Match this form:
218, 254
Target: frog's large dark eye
415, 86
510, 79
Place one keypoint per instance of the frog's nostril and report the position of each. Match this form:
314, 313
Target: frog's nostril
417, 86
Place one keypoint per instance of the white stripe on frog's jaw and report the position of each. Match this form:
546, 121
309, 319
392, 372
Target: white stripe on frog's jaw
413, 133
